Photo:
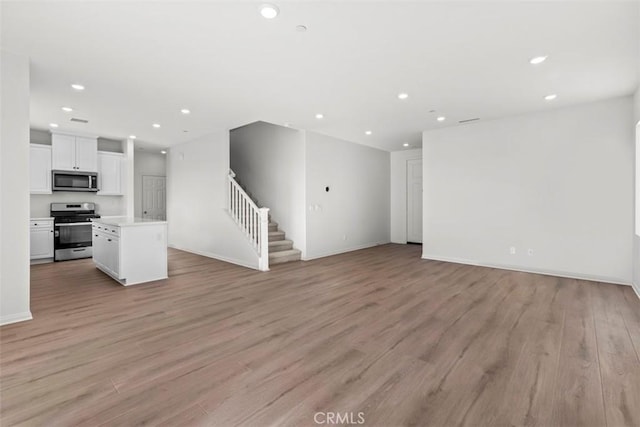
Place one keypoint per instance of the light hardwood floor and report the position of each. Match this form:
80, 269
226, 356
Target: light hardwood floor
378, 331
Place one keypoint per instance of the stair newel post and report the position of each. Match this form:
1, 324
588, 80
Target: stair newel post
264, 239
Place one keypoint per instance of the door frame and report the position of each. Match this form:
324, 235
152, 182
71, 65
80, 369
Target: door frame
408, 187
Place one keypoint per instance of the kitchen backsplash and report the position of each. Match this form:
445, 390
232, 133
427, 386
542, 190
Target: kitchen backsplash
105, 205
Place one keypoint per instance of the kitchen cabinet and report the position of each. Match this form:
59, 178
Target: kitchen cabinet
106, 250
110, 173
40, 169
41, 238
74, 153
130, 250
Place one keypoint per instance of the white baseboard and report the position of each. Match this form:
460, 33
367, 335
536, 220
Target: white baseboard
344, 250
636, 289
14, 318
216, 256
41, 261
569, 275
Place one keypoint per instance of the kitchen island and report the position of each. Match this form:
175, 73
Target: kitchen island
130, 250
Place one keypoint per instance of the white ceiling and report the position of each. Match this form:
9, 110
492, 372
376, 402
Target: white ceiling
143, 61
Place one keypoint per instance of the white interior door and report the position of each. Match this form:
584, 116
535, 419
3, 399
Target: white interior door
414, 201
154, 205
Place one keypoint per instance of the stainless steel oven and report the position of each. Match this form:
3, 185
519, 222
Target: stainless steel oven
72, 230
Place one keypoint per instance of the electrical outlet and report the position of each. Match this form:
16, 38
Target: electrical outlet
512, 250
344, 237
530, 252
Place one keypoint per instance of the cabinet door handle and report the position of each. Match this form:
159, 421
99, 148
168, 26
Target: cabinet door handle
108, 240
96, 235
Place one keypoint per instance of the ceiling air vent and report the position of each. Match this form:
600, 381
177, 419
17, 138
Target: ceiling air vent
79, 120
469, 120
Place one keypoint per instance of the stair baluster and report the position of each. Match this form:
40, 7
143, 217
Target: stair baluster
252, 220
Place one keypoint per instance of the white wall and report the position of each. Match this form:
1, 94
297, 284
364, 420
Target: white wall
105, 205
636, 105
145, 163
14, 188
559, 182
269, 163
355, 212
196, 201
398, 208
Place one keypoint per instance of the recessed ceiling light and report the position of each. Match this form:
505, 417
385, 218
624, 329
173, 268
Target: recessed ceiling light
406, 144
403, 95
185, 111
155, 125
319, 116
538, 60
368, 132
551, 97
269, 11
77, 86
441, 119
132, 137
67, 109
53, 125
163, 151
301, 28
287, 125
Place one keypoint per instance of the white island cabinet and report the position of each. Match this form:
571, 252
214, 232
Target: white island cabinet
130, 250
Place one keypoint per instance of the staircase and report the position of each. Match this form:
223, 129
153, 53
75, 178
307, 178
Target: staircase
280, 249
268, 242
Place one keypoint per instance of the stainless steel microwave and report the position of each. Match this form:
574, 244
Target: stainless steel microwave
74, 181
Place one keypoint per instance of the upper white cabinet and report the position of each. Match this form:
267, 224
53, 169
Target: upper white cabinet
40, 169
110, 173
74, 153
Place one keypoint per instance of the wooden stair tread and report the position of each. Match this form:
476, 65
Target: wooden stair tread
284, 256
280, 245
276, 235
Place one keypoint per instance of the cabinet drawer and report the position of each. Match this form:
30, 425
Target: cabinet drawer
107, 229
41, 223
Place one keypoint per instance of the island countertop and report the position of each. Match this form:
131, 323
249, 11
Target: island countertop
125, 221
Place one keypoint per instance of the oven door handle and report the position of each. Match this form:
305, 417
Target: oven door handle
73, 224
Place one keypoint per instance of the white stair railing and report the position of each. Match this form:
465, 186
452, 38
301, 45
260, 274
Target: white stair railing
251, 219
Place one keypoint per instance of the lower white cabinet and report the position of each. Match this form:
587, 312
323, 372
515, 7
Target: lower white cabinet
41, 239
106, 251
132, 253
